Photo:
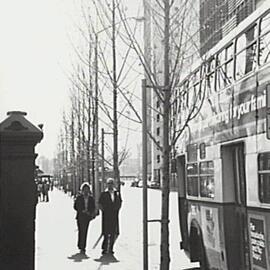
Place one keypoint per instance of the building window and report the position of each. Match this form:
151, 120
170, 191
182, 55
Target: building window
158, 103
158, 158
158, 131
264, 177
158, 117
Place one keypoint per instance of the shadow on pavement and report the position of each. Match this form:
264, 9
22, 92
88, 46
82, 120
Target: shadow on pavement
194, 268
106, 260
78, 257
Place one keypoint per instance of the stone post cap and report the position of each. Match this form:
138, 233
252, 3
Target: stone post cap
16, 125
16, 112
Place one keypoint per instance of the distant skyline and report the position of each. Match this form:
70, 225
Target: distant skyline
35, 53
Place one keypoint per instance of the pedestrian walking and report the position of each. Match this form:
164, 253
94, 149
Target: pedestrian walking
45, 191
110, 203
39, 190
85, 207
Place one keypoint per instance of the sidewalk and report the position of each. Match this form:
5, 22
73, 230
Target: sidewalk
56, 237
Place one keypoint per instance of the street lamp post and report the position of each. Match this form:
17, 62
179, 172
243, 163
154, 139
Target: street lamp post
144, 176
96, 187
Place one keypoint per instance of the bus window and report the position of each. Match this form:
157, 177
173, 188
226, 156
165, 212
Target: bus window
202, 84
241, 43
241, 57
207, 179
191, 97
265, 24
192, 185
264, 55
251, 57
196, 76
192, 153
246, 52
229, 52
197, 90
221, 78
196, 84
229, 72
192, 179
264, 177
211, 76
186, 94
221, 57
229, 68
211, 83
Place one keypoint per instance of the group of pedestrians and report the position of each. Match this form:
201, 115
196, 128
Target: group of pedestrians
109, 203
43, 188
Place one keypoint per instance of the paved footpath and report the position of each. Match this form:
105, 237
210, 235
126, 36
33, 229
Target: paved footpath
56, 236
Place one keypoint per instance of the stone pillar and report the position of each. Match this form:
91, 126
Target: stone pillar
18, 138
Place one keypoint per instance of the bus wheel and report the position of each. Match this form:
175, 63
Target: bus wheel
197, 249
203, 258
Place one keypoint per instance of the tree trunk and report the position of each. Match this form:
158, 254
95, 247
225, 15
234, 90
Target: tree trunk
164, 249
115, 120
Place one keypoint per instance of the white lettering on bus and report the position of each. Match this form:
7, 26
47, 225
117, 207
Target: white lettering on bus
237, 111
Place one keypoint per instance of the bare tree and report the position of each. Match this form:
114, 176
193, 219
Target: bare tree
113, 69
90, 88
172, 23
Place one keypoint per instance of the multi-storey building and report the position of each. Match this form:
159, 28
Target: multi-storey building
154, 53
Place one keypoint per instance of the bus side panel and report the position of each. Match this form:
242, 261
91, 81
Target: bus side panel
259, 238
220, 231
211, 224
232, 236
182, 203
206, 218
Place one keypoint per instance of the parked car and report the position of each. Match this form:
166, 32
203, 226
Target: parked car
154, 184
140, 184
134, 182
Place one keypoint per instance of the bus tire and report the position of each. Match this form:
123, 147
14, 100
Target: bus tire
197, 249
203, 258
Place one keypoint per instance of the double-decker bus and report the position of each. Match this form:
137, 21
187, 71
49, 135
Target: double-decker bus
223, 158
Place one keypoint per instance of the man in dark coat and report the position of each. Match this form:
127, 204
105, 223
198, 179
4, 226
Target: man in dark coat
85, 207
110, 203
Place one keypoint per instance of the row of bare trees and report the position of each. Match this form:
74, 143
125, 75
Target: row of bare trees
100, 93
108, 66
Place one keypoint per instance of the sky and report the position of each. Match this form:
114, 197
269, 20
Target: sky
35, 55
34, 51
